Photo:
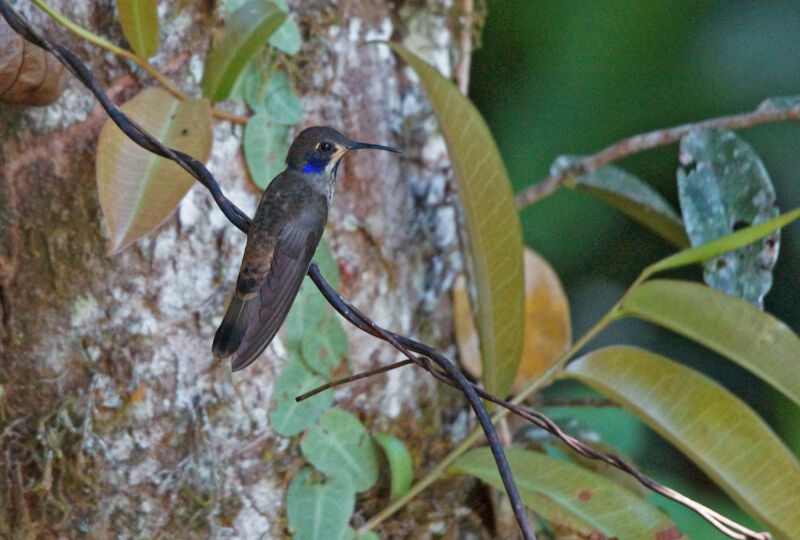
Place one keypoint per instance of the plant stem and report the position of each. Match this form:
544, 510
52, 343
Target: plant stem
144, 64
765, 113
465, 46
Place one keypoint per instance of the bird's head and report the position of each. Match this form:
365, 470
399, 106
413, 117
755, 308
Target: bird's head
319, 149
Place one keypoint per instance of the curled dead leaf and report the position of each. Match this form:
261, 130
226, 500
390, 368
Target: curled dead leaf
29, 75
548, 332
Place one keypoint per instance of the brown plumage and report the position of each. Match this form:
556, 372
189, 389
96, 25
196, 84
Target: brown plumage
283, 236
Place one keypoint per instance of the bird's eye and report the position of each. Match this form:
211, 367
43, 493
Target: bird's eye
325, 147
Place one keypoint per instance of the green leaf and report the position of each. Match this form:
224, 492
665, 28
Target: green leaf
307, 312
313, 330
733, 327
265, 149
339, 446
318, 510
400, 464
628, 194
327, 264
728, 188
290, 417
139, 20
601, 467
493, 227
252, 83
724, 244
276, 99
571, 496
280, 102
718, 431
350, 534
287, 38
137, 189
248, 29
325, 345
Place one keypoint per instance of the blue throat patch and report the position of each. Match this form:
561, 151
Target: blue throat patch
315, 166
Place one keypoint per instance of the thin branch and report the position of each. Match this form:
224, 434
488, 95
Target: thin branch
144, 64
465, 46
764, 114
351, 378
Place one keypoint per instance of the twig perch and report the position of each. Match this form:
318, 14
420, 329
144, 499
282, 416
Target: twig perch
646, 141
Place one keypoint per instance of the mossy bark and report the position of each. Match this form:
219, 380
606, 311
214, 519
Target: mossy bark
114, 419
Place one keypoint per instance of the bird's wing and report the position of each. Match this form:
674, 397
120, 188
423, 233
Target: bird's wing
293, 252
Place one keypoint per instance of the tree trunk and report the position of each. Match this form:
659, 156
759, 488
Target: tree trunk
114, 419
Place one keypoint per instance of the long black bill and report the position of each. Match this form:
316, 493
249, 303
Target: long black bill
360, 145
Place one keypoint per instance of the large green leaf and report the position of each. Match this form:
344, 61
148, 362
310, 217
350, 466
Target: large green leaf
248, 29
290, 417
400, 464
726, 187
571, 496
139, 20
731, 326
495, 237
307, 312
340, 446
139, 190
325, 346
280, 101
318, 510
718, 431
631, 196
265, 149
724, 244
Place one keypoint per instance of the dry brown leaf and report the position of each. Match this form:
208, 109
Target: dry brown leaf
29, 75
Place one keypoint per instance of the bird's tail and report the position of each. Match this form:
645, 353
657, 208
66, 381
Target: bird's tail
231, 330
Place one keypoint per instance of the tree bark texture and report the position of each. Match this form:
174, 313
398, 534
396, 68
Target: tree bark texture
114, 419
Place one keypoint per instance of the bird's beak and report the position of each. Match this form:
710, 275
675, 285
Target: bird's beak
360, 145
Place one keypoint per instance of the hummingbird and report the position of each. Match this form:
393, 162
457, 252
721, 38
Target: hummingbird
282, 239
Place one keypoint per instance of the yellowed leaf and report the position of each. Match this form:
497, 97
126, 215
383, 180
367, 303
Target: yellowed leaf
495, 235
469, 347
139, 20
139, 190
718, 431
548, 332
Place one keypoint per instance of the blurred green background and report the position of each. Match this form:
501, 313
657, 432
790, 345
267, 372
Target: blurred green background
572, 77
